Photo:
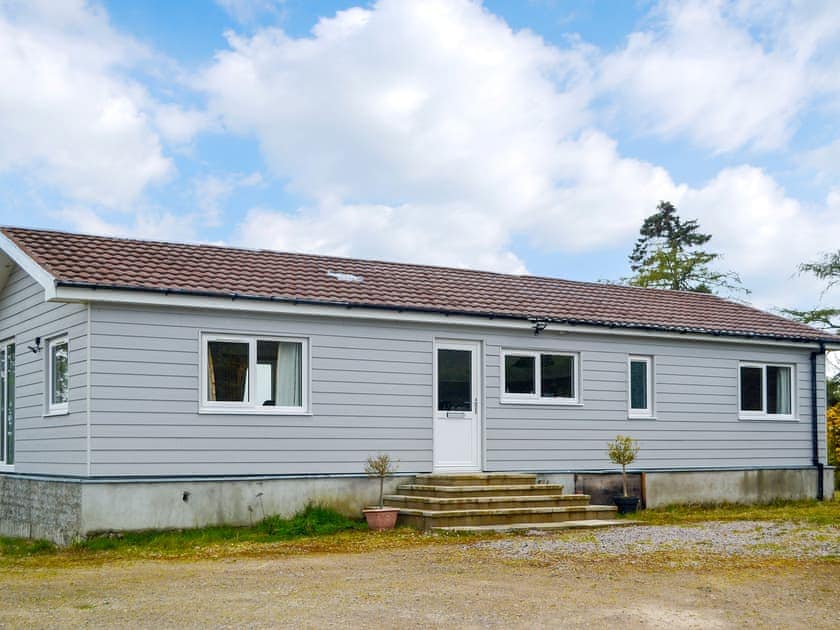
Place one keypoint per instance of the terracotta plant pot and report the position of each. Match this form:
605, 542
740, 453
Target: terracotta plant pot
381, 518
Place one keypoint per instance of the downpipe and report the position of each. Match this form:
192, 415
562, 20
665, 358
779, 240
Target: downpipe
815, 423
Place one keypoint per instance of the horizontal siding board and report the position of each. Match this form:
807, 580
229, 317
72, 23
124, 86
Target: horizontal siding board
134, 369
318, 466
372, 390
51, 444
184, 456
348, 431
285, 448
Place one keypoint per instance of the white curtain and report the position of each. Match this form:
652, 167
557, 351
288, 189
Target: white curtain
783, 390
289, 375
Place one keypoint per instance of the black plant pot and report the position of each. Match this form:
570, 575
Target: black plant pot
626, 505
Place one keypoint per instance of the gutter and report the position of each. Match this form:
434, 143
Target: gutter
532, 319
815, 423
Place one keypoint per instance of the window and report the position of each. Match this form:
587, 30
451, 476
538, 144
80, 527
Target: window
766, 390
58, 375
259, 375
640, 390
7, 403
545, 377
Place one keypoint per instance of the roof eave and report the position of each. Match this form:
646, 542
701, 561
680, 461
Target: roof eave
523, 317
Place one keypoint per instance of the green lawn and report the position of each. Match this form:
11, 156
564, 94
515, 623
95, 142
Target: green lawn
813, 512
318, 529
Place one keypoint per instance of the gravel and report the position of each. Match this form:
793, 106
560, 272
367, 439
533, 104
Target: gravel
742, 538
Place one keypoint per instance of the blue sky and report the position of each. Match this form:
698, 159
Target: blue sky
518, 136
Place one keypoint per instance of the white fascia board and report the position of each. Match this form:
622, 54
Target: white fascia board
181, 300
41, 275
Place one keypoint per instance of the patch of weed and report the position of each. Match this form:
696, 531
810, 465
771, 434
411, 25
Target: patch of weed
22, 547
315, 520
312, 521
811, 512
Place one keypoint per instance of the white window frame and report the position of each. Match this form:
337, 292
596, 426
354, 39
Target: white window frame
536, 398
647, 412
763, 415
4, 465
251, 407
56, 409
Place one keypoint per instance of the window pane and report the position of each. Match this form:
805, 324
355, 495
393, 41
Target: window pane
778, 390
3, 388
520, 375
752, 394
10, 404
557, 376
454, 380
227, 371
279, 373
638, 385
58, 358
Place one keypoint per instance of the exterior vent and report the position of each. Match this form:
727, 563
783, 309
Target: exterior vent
345, 277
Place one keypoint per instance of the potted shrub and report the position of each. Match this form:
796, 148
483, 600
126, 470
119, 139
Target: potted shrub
623, 451
381, 466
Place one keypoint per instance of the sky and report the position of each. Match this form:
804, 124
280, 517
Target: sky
527, 136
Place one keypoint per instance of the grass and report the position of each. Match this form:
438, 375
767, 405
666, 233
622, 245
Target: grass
321, 530
313, 521
22, 547
810, 512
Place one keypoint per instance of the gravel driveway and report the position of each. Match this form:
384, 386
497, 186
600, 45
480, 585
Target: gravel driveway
742, 538
568, 580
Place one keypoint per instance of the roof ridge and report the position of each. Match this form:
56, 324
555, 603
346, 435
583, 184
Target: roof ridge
112, 262
239, 248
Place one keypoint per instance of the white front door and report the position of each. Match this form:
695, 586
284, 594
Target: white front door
457, 425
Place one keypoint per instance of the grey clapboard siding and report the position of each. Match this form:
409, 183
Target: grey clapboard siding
45, 444
371, 391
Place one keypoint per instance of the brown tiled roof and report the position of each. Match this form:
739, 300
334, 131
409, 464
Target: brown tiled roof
95, 261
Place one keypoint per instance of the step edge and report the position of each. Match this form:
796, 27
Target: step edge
507, 511
512, 487
536, 498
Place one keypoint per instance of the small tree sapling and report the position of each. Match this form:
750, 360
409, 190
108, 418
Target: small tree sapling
381, 466
623, 451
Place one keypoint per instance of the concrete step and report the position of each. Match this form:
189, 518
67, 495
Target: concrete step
427, 519
485, 502
418, 490
582, 524
475, 479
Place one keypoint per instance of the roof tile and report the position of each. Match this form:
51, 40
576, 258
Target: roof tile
75, 259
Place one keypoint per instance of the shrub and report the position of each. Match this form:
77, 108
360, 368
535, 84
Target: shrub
832, 417
623, 451
380, 466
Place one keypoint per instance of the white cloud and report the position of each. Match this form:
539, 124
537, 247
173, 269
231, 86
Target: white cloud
179, 125
409, 117
823, 162
726, 75
69, 114
763, 233
427, 132
448, 235
212, 191
432, 132
248, 11
155, 225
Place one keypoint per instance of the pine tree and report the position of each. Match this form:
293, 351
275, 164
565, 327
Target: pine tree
668, 255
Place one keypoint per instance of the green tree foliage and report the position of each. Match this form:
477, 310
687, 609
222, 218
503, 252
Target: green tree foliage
623, 451
827, 269
825, 318
668, 255
834, 390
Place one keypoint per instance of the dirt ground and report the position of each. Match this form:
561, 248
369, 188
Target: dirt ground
451, 585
